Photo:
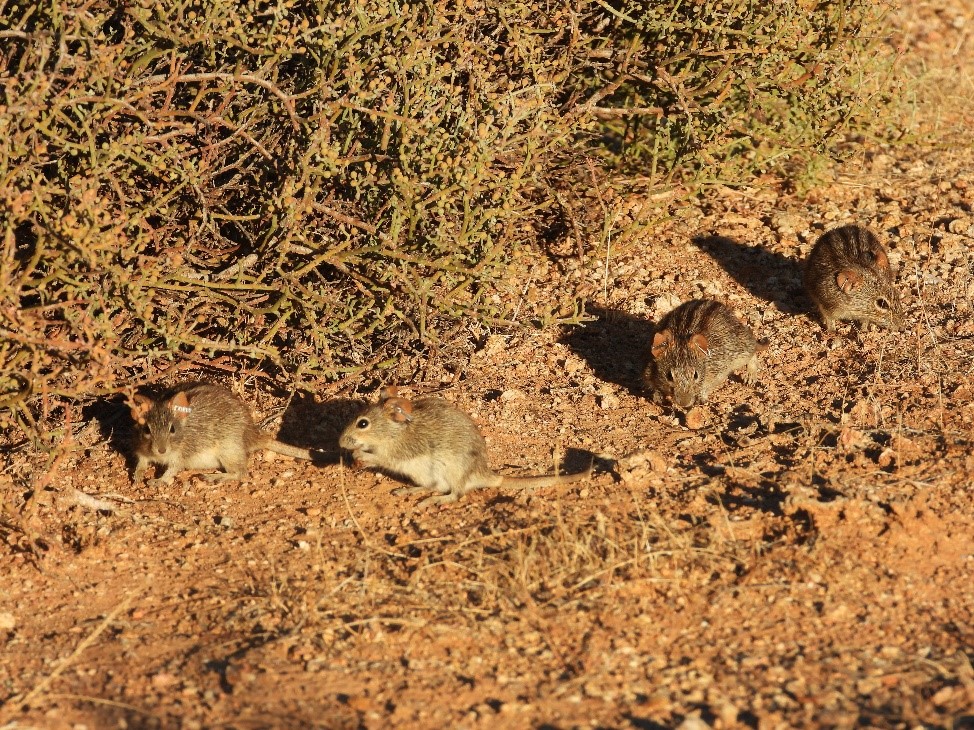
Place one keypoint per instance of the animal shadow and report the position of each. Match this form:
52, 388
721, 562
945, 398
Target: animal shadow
766, 274
115, 424
573, 461
310, 424
615, 346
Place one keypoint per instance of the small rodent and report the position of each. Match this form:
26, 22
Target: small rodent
432, 443
848, 276
200, 426
695, 347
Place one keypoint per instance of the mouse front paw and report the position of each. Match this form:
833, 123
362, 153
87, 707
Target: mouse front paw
750, 374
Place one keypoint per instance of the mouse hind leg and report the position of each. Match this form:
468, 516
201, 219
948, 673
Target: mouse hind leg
234, 465
438, 499
457, 486
452, 481
232, 474
401, 491
423, 473
447, 493
228, 476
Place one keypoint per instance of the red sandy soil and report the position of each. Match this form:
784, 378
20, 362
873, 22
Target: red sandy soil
803, 557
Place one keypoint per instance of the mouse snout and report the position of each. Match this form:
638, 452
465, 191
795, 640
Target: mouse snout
684, 400
161, 445
356, 446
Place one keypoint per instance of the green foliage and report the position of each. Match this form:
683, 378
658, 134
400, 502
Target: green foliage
312, 188
731, 89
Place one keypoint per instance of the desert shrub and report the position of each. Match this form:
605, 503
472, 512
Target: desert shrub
730, 89
307, 190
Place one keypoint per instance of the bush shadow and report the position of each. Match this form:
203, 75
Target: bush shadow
615, 345
765, 274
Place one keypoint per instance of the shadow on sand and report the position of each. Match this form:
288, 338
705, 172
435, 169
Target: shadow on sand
615, 346
766, 274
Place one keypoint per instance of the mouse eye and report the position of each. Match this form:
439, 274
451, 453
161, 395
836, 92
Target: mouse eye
172, 428
696, 376
362, 423
882, 303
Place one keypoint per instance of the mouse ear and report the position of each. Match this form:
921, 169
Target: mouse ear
398, 409
848, 280
140, 405
700, 342
387, 392
662, 341
180, 405
881, 259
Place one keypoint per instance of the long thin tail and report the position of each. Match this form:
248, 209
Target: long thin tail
278, 447
549, 480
